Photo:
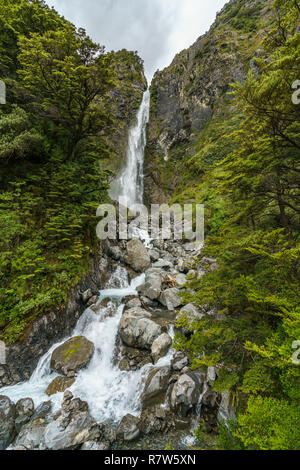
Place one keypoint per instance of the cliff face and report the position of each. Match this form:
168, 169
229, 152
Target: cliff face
187, 95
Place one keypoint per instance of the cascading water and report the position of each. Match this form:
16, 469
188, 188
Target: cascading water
110, 392
129, 184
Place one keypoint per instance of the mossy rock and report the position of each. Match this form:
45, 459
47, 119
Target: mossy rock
59, 385
72, 356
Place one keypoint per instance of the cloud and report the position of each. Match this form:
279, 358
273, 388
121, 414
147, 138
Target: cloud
157, 29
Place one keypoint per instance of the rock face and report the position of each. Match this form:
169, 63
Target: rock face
156, 386
7, 422
185, 393
160, 346
137, 255
59, 384
170, 298
136, 329
128, 429
72, 356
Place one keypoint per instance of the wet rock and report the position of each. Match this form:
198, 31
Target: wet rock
137, 255
134, 359
73, 427
160, 346
24, 411
180, 361
152, 286
7, 421
137, 330
133, 303
92, 301
170, 298
209, 398
42, 411
156, 386
31, 435
72, 356
128, 429
92, 445
185, 393
226, 410
59, 384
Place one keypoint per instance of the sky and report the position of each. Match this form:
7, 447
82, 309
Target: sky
157, 29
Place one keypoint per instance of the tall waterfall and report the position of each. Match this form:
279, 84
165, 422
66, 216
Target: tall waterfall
129, 184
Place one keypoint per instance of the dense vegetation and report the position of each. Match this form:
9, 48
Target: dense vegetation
55, 143
248, 175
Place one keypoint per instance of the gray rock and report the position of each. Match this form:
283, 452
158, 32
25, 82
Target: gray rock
163, 264
160, 346
185, 393
134, 303
72, 355
154, 255
24, 411
128, 429
226, 410
156, 386
92, 445
31, 435
7, 422
192, 312
180, 361
86, 295
137, 330
152, 286
59, 385
137, 255
211, 374
42, 411
170, 298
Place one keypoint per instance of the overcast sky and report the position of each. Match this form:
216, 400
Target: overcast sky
157, 29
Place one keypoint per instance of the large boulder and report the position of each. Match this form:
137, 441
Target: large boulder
156, 386
7, 422
72, 356
186, 393
24, 411
137, 255
170, 298
137, 330
128, 429
59, 385
160, 346
31, 435
180, 360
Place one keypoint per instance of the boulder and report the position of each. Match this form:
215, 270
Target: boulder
73, 427
170, 298
180, 361
86, 295
59, 384
42, 411
93, 445
185, 393
72, 356
156, 386
7, 422
31, 435
24, 411
154, 255
137, 255
137, 330
163, 264
160, 346
128, 429
152, 286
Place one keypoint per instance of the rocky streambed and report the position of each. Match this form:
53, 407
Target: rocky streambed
116, 382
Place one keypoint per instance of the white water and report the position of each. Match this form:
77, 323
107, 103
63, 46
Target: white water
129, 184
110, 392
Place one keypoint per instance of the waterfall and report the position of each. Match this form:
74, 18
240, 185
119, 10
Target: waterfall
129, 184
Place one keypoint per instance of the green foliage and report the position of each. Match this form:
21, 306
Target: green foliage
251, 302
226, 439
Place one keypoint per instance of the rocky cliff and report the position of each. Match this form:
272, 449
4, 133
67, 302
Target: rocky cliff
189, 94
